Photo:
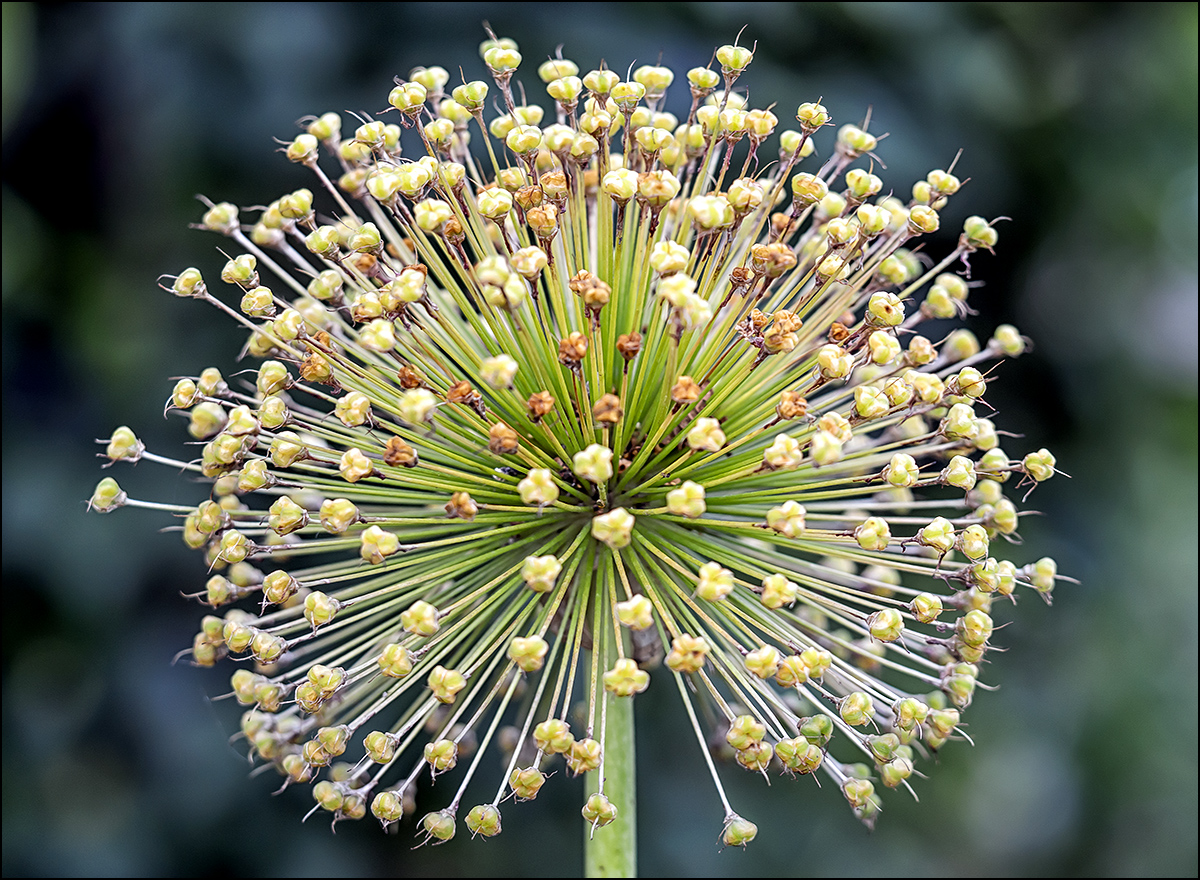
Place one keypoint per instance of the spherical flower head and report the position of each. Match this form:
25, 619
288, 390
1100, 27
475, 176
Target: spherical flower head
742, 368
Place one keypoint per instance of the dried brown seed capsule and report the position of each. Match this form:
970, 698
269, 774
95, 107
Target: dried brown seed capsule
608, 409
572, 350
740, 278
364, 263
597, 296
461, 506
453, 231
785, 321
791, 406
316, 368
528, 197
400, 454
462, 392
409, 378
685, 390
771, 260
543, 221
554, 184
581, 281
838, 332
782, 225
539, 405
629, 344
502, 439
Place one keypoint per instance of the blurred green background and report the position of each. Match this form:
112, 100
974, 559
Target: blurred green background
1078, 121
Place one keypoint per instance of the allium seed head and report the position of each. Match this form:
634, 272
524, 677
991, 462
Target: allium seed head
609, 386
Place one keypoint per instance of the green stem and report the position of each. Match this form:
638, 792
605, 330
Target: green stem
612, 851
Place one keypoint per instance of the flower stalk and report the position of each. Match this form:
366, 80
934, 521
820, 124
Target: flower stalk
612, 852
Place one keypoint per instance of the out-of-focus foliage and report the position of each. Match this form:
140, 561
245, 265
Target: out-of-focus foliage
1078, 121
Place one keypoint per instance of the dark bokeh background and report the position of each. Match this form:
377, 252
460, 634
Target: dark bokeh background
1078, 121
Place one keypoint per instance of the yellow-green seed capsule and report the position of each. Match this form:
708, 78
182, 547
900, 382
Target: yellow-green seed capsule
856, 709
926, 607
858, 791
738, 831
483, 819
328, 795
745, 730
439, 826
764, 661
599, 811
320, 609
396, 661
526, 782
553, 736
584, 756
625, 678
387, 807
420, 619
441, 755
528, 652
446, 683
886, 625
636, 613
107, 496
